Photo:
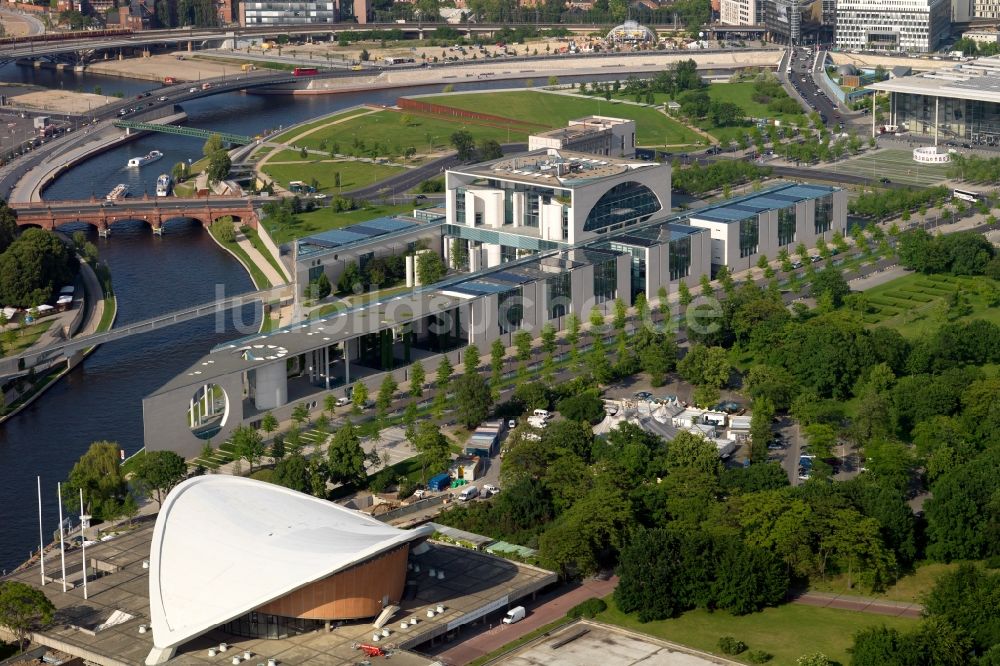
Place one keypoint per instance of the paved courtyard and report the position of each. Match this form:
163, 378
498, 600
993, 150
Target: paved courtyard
594, 644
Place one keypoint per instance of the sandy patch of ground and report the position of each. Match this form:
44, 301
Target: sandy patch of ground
61, 101
154, 68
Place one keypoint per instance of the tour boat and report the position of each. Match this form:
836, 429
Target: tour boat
119, 192
163, 185
151, 156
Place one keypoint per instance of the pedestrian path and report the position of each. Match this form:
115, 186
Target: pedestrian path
860, 604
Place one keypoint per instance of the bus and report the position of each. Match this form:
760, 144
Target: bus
967, 195
397, 61
305, 71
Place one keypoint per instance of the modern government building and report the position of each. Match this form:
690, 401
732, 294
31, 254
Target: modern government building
529, 239
959, 103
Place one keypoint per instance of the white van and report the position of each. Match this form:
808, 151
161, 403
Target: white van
470, 492
542, 413
515, 614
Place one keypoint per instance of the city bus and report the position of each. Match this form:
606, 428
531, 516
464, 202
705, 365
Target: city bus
967, 195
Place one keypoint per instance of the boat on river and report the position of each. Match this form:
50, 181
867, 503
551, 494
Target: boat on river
148, 158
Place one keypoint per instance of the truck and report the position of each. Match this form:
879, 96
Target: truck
439, 482
305, 71
206, 86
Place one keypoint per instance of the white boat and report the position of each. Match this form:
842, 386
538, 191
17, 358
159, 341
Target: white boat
120, 191
151, 156
163, 184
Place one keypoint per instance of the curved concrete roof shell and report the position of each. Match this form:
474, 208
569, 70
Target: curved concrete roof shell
223, 546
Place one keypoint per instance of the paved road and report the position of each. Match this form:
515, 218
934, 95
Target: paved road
544, 610
860, 604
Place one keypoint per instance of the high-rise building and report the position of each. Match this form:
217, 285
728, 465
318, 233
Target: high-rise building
302, 12
900, 25
741, 12
798, 21
987, 9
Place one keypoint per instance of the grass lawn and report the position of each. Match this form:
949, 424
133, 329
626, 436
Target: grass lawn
916, 304
653, 127
324, 219
259, 64
256, 274
394, 131
910, 588
340, 115
108, 314
25, 336
741, 94
353, 174
258, 244
787, 632
896, 165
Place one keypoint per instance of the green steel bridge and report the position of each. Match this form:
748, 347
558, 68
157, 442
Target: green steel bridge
233, 139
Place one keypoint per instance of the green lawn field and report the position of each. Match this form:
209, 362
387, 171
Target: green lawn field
323, 219
741, 94
787, 632
909, 588
916, 304
653, 127
390, 133
292, 133
353, 174
896, 165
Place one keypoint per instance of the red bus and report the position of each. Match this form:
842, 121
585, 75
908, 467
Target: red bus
305, 71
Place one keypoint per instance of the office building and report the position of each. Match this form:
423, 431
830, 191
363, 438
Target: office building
902, 25
597, 135
961, 103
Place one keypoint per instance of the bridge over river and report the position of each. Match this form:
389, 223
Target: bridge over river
155, 211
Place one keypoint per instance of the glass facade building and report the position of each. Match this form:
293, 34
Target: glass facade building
606, 281
824, 214
749, 236
786, 225
625, 202
558, 294
680, 258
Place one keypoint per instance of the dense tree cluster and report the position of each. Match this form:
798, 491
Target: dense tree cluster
33, 266
698, 179
962, 253
973, 168
960, 626
881, 204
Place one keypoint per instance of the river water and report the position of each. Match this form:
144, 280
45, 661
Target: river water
102, 398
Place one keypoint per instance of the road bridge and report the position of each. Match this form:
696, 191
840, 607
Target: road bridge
227, 137
151, 210
14, 365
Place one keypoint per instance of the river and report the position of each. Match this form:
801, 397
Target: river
102, 398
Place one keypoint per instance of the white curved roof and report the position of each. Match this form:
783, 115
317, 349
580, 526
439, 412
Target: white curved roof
224, 545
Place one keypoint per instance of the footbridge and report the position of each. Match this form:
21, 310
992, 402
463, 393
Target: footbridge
135, 125
55, 353
154, 211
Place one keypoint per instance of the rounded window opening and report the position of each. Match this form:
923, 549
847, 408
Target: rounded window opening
208, 411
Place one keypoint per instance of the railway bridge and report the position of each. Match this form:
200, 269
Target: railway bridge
155, 212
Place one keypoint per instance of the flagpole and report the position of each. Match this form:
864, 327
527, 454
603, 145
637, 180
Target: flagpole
83, 545
62, 548
41, 537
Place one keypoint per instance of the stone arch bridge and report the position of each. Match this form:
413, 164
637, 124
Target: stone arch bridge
105, 214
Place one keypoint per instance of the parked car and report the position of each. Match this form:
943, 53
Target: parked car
489, 490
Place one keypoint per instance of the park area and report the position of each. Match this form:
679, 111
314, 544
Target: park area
918, 304
896, 165
787, 632
553, 110
330, 176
